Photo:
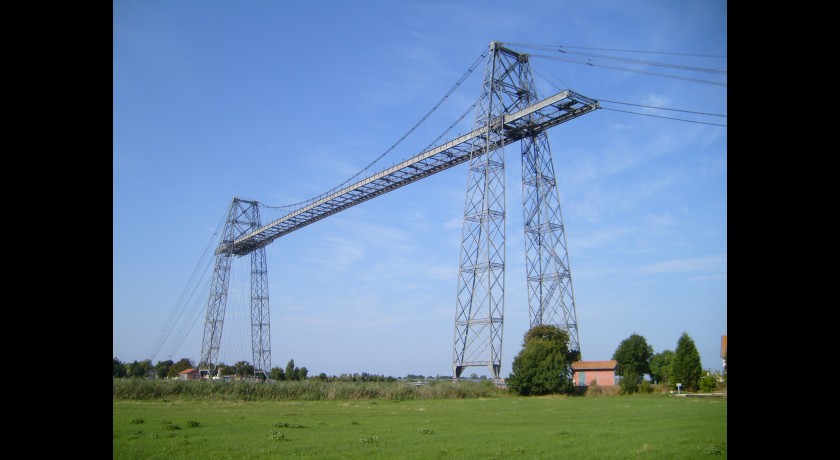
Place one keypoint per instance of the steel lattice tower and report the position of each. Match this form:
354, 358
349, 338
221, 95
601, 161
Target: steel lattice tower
508, 111
243, 217
479, 316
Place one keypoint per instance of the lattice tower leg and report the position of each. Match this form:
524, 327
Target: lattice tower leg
551, 298
243, 217
217, 302
479, 310
260, 322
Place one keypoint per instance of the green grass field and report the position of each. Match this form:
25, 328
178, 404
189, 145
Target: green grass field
618, 427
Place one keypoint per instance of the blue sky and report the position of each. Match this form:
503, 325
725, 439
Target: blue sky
281, 101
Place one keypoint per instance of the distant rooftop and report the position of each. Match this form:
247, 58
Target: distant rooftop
594, 365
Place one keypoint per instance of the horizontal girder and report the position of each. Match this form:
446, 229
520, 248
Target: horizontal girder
529, 121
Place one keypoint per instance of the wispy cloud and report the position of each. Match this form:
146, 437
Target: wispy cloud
600, 237
655, 100
455, 222
660, 220
702, 268
712, 263
344, 253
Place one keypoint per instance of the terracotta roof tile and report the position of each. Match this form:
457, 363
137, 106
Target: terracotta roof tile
593, 365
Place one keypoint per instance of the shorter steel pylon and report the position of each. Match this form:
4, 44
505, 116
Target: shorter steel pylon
243, 217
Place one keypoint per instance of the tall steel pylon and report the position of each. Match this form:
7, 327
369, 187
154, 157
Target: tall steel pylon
508, 111
479, 315
243, 217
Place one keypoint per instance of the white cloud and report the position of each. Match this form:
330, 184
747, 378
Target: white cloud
455, 222
601, 237
660, 220
704, 264
343, 253
655, 101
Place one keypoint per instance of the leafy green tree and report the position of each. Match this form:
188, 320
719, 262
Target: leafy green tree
277, 374
302, 373
162, 368
543, 366
660, 366
709, 381
322, 376
291, 370
181, 365
138, 369
224, 369
686, 368
131, 368
633, 356
243, 368
119, 368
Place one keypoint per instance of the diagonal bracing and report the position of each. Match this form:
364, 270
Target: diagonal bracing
508, 112
243, 216
559, 108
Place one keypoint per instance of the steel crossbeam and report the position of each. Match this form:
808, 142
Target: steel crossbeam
531, 120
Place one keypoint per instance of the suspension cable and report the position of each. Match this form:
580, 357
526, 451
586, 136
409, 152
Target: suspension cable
641, 105
590, 63
190, 320
426, 116
652, 63
668, 118
663, 108
461, 118
563, 47
537, 69
178, 311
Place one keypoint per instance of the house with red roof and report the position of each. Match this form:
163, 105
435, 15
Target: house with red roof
586, 373
189, 374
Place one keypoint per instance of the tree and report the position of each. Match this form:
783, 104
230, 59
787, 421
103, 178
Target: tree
277, 374
119, 368
633, 356
291, 370
243, 368
543, 366
138, 369
302, 373
224, 369
660, 367
182, 365
162, 368
686, 368
709, 381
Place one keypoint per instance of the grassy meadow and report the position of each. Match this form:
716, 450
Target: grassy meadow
497, 427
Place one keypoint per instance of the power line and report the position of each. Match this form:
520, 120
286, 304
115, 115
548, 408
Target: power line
648, 52
461, 118
562, 47
652, 63
663, 108
589, 63
451, 90
640, 105
536, 71
668, 118
183, 300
